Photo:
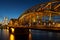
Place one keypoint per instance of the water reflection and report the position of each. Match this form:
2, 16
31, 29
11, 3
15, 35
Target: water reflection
33, 35
30, 34
4, 34
19, 34
12, 37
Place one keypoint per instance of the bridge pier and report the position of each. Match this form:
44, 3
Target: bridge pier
18, 30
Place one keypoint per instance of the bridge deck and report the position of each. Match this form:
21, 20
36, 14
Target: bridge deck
40, 27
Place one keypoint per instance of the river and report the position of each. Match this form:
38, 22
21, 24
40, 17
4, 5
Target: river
34, 35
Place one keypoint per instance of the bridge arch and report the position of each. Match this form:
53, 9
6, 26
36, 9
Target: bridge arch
36, 14
39, 15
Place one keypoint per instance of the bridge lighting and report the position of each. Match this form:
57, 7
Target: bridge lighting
37, 16
39, 21
33, 20
44, 23
58, 25
49, 24
53, 23
12, 29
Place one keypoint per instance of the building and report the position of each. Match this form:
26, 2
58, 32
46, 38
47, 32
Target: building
5, 21
13, 22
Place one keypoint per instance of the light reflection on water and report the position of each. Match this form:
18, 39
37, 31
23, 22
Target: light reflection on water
12, 37
33, 35
5, 35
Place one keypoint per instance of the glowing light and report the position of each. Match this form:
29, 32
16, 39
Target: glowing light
7, 30
58, 25
12, 37
12, 29
53, 23
30, 36
49, 24
44, 23
7, 27
39, 21
34, 20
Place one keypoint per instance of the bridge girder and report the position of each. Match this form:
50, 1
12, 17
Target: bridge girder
39, 11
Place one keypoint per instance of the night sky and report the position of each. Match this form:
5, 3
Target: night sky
14, 8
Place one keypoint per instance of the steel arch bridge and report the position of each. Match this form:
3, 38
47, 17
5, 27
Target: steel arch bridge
34, 15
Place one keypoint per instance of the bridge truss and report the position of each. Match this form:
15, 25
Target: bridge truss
35, 14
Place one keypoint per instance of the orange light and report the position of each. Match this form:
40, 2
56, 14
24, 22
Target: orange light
12, 37
58, 25
30, 35
7, 27
49, 24
53, 23
34, 20
44, 23
12, 29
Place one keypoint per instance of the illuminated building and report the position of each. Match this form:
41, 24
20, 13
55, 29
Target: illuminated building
13, 22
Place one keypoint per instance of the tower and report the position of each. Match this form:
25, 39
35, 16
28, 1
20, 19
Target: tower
5, 21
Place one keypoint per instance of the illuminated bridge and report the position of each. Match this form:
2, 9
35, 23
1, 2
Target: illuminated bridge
41, 16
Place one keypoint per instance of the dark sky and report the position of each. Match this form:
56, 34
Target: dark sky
14, 8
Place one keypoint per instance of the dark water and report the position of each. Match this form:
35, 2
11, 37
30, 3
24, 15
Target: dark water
35, 35
5, 35
45, 35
